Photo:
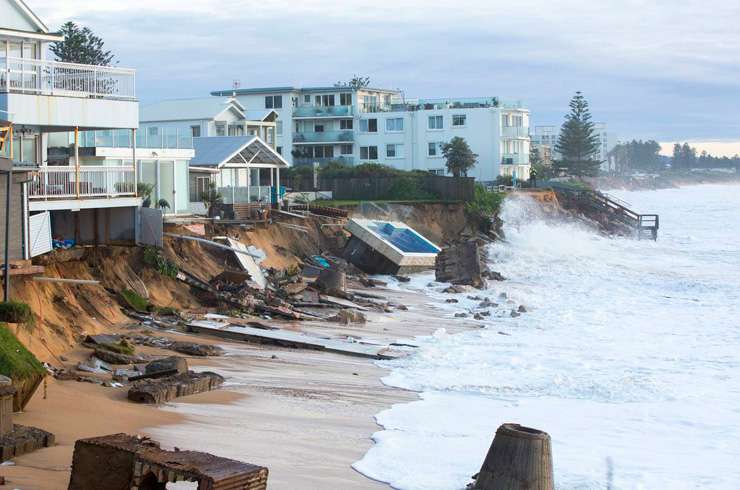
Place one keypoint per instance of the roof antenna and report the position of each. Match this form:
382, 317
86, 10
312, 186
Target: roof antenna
235, 86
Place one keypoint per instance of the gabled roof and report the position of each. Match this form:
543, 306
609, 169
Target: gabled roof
29, 15
268, 115
188, 109
222, 150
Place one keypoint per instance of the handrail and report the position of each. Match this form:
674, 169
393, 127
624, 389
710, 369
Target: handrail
84, 181
45, 77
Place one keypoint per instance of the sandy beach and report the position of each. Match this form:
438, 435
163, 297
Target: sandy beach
306, 415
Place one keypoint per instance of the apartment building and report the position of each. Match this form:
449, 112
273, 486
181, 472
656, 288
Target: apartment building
357, 125
544, 139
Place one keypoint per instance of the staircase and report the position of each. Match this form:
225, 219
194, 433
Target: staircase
645, 225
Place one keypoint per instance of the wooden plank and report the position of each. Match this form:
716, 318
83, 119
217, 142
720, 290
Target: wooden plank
248, 263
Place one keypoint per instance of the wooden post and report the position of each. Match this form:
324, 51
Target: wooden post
136, 173
519, 458
277, 178
6, 405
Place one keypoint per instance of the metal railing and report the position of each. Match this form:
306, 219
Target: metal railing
323, 111
347, 160
324, 137
45, 77
69, 182
255, 193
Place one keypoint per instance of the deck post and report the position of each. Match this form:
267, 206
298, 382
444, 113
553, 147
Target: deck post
277, 194
77, 162
133, 152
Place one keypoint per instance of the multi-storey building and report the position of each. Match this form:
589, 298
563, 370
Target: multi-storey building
357, 125
544, 139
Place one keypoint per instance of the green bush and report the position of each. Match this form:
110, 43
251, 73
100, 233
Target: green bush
16, 362
121, 347
16, 312
408, 189
153, 257
484, 206
135, 301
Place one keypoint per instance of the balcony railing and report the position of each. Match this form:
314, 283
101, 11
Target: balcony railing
68, 182
515, 159
45, 77
323, 111
310, 160
166, 138
515, 132
324, 137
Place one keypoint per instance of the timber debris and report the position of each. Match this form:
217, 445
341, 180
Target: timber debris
16, 440
121, 461
169, 378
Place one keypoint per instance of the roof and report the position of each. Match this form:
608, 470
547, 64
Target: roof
273, 90
187, 109
262, 116
30, 15
221, 150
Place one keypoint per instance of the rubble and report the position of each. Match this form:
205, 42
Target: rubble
463, 263
116, 358
121, 461
188, 348
16, 440
348, 316
156, 391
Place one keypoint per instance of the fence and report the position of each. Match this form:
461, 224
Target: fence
390, 188
65, 182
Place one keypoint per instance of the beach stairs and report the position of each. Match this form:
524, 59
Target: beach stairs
645, 225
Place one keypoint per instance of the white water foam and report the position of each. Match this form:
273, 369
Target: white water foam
628, 357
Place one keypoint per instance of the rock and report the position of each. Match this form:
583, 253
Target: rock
475, 298
349, 316
165, 389
402, 278
63, 359
493, 275
332, 281
484, 313
193, 349
451, 300
461, 264
402, 307
487, 303
116, 358
522, 309
461, 315
454, 289
515, 314
478, 316
503, 296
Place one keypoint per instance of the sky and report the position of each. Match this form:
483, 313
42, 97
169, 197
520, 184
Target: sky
667, 70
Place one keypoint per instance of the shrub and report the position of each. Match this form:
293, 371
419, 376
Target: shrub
135, 301
153, 257
16, 362
123, 346
484, 206
16, 312
408, 189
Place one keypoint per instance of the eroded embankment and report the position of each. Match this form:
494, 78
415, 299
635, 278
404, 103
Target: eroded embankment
66, 312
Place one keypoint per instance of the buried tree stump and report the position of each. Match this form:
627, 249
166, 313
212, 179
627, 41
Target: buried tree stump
520, 458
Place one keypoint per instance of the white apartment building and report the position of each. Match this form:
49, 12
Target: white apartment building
544, 138
321, 124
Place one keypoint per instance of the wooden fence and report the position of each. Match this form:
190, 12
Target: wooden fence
411, 187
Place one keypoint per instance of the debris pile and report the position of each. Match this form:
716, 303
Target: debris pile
465, 264
16, 440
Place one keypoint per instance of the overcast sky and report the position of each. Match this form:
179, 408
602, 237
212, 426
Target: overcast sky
668, 70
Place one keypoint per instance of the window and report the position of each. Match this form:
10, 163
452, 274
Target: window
369, 125
434, 149
274, 102
459, 120
345, 149
394, 124
437, 171
195, 131
370, 102
326, 100
436, 122
318, 128
220, 129
279, 149
368, 153
346, 124
294, 101
152, 131
394, 150
279, 127
236, 130
306, 99
345, 99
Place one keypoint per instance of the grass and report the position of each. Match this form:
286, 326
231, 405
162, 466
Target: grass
153, 257
16, 312
135, 301
166, 311
121, 347
16, 362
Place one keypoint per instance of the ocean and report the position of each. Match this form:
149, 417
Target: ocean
628, 356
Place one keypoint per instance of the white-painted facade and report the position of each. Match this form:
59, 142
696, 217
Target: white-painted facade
544, 138
321, 124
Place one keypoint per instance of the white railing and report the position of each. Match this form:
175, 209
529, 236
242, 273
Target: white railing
66, 79
68, 182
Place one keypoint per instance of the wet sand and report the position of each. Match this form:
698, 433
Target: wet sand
306, 415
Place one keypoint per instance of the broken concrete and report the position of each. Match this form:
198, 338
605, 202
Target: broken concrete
23, 440
461, 264
123, 462
168, 388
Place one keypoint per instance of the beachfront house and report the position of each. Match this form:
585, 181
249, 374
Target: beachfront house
205, 117
45, 100
364, 124
245, 170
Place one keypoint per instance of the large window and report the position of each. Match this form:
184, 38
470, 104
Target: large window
318, 128
346, 124
394, 124
220, 129
459, 120
369, 125
394, 150
345, 99
279, 127
345, 149
436, 122
274, 102
434, 149
368, 153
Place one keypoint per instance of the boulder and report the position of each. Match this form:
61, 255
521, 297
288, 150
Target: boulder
172, 363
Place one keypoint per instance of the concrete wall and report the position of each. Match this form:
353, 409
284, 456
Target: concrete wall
17, 217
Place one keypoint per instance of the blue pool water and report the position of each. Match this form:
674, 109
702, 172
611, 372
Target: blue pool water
404, 239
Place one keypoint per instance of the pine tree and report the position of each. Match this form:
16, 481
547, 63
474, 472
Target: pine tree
81, 46
578, 144
460, 158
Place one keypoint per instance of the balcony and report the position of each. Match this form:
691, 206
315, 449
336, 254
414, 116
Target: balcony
347, 160
515, 132
323, 137
66, 95
166, 139
314, 112
84, 182
515, 159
